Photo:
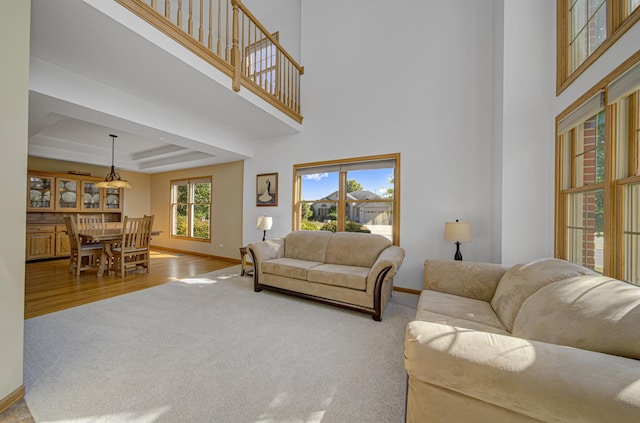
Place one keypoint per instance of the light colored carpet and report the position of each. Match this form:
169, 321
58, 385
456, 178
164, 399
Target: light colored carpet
209, 349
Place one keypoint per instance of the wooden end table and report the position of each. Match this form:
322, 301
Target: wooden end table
245, 263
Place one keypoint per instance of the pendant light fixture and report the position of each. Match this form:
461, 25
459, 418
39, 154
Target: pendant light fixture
112, 180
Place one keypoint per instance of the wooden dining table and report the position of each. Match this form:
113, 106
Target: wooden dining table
106, 237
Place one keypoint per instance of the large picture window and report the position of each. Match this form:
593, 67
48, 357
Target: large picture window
598, 181
352, 195
191, 209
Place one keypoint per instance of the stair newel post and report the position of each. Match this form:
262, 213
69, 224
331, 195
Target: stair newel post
235, 49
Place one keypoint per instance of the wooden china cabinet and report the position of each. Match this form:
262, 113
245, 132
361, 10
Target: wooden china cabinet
50, 196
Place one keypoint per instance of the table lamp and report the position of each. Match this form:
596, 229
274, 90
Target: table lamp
458, 232
264, 224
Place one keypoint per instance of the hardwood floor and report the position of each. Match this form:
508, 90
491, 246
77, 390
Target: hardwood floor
50, 287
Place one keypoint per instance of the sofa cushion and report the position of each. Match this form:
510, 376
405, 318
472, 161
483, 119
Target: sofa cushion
355, 248
307, 245
353, 277
464, 278
594, 313
439, 307
291, 268
522, 280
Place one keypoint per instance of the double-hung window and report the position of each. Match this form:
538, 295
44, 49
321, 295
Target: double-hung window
353, 195
582, 145
598, 179
191, 209
624, 106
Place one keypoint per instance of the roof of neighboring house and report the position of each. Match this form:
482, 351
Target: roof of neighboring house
355, 195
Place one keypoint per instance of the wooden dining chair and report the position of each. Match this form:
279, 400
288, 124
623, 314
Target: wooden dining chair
82, 256
134, 248
89, 221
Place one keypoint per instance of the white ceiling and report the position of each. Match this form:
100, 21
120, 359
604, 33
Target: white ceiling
173, 114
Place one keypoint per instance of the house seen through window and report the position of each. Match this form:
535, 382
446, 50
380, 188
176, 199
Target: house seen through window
354, 195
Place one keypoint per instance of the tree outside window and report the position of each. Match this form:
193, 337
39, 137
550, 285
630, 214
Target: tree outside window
191, 209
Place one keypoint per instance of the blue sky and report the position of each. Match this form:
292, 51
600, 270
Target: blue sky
315, 187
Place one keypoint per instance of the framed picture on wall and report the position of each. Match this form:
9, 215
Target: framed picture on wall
267, 189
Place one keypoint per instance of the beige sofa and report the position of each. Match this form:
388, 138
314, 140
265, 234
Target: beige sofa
542, 341
348, 269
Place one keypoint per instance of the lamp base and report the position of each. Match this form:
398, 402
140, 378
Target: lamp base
264, 236
458, 255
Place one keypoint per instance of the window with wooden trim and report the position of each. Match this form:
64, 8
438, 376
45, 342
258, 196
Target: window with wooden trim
598, 181
191, 209
353, 195
261, 60
628, 7
586, 29
624, 94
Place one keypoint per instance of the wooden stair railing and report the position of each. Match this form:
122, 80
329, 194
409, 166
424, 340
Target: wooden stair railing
227, 35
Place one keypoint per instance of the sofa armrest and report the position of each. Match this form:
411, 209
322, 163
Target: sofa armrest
467, 279
263, 251
391, 257
545, 381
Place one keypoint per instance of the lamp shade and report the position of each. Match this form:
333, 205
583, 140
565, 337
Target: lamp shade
264, 223
457, 231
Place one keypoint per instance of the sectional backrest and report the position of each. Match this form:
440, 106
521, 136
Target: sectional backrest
592, 312
523, 280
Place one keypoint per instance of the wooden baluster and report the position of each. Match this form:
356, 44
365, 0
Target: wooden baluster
255, 53
278, 74
219, 48
167, 9
298, 98
260, 65
235, 50
243, 50
153, 4
179, 18
200, 29
210, 32
299, 108
190, 20
226, 38
293, 86
288, 83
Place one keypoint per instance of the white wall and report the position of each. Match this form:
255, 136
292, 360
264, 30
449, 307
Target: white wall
414, 78
527, 130
14, 44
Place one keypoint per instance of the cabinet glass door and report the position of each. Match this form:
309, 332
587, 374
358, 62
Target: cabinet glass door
91, 199
113, 199
67, 195
39, 195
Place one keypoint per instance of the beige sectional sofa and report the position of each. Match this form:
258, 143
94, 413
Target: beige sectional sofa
541, 341
348, 269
